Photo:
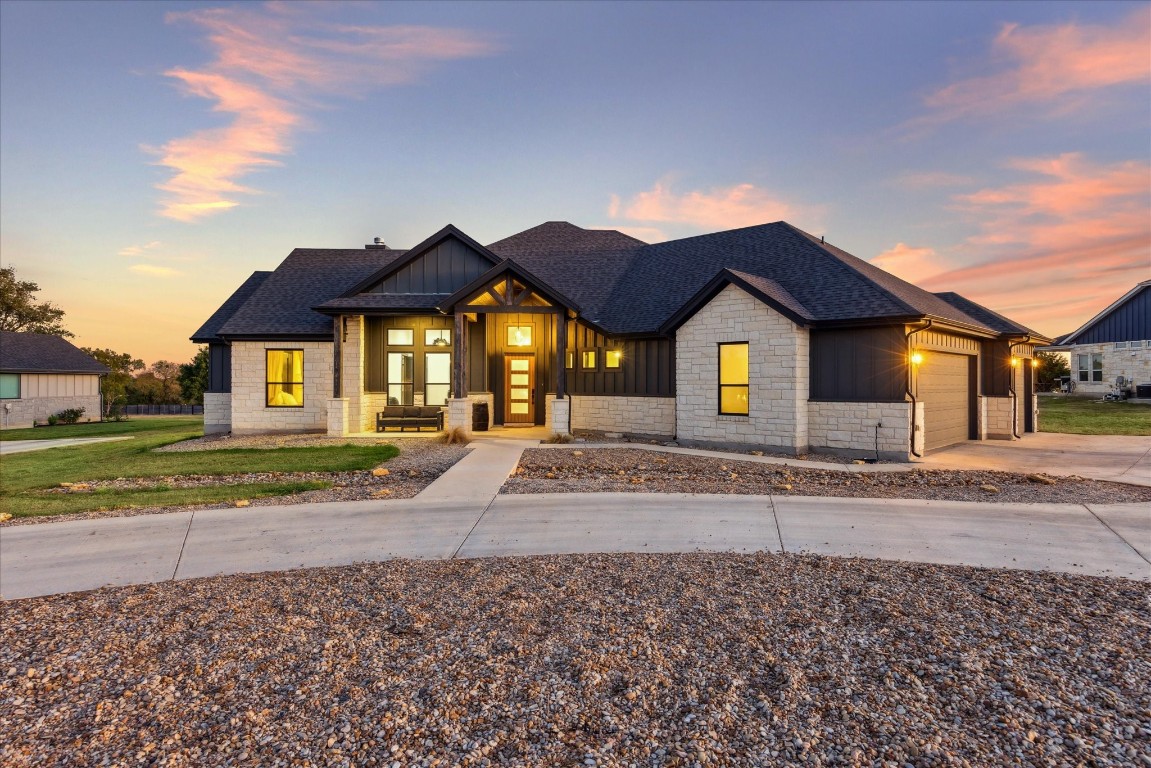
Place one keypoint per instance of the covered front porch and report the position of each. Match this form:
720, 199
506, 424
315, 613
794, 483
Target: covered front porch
499, 343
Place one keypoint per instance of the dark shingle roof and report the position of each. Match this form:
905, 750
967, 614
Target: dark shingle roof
282, 304
208, 330
988, 317
385, 301
41, 353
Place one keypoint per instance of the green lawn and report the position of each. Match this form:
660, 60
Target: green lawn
26, 475
1086, 416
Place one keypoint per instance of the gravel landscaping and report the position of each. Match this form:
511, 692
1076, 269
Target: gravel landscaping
672, 660
584, 470
419, 463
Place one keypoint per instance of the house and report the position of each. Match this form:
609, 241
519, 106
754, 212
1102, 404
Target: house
763, 336
1115, 343
41, 375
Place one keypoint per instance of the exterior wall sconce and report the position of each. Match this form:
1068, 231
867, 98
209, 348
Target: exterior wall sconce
1014, 361
916, 358
1034, 363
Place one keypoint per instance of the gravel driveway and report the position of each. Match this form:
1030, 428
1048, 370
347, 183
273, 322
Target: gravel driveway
673, 660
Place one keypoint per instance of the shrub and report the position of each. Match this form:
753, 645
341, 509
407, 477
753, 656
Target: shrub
53, 420
70, 415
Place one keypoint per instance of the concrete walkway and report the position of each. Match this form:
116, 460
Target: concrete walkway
461, 514
23, 446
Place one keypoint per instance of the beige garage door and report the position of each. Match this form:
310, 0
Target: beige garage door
943, 390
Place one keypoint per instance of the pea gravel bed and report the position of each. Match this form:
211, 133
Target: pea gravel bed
607, 660
588, 470
419, 463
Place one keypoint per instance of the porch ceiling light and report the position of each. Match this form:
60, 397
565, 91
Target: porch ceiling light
916, 358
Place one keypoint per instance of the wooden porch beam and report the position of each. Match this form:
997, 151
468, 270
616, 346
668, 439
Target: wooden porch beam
460, 358
561, 354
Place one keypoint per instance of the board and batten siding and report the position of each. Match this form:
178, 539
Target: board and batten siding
1129, 322
647, 369
58, 385
865, 365
443, 270
45, 394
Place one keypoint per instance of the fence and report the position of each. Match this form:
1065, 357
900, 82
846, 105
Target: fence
163, 410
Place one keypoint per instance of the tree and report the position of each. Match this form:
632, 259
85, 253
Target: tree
194, 378
19, 310
1052, 365
115, 383
159, 385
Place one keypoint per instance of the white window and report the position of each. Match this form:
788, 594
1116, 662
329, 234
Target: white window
1122, 344
1090, 366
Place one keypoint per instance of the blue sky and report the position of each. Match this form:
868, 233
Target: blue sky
154, 154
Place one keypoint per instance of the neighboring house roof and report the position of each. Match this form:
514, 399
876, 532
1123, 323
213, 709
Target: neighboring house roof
41, 353
208, 330
282, 304
1128, 318
989, 317
621, 285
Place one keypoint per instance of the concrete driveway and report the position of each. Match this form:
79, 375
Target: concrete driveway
23, 446
1120, 458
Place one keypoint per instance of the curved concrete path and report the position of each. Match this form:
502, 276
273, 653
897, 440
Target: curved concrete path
463, 515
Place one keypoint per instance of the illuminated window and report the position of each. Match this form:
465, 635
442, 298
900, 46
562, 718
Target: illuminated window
401, 366
569, 362
519, 335
437, 377
285, 378
401, 337
438, 337
612, 359
9, 386
733, 378
587, 360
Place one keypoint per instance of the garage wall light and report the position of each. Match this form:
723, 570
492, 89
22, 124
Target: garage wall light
1034, 363
916, 358
1014, 362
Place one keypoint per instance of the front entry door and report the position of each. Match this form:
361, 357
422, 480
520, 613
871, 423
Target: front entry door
519, 389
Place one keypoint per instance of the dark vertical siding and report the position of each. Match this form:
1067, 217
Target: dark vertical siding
647, 369
1131, 321
477, 354
375, 347
859, 364
445, 269
996, 367
219, 368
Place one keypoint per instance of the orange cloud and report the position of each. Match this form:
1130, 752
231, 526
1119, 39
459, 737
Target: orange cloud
911, 264
272, 63
151, 270
742, 205
1051, 248
1053, 64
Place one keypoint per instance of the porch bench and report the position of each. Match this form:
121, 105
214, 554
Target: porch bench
404, 416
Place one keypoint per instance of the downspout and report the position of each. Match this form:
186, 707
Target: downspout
910, 374
1011, 387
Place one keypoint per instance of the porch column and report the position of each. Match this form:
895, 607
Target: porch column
337, 355
459, 406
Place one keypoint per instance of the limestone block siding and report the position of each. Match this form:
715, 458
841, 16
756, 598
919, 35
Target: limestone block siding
631, 415
851, 429
1134, 364
997, 418
778, 374
250, 415
217, 412
45, 394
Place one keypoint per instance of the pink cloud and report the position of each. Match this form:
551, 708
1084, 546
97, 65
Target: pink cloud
1053, 246
742, 205
1051, 64
272, 63
911, 264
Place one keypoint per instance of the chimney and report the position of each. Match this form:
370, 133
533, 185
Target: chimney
377, 243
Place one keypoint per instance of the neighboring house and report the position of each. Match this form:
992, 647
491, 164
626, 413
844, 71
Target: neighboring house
41, 375
763, 336
1114, 343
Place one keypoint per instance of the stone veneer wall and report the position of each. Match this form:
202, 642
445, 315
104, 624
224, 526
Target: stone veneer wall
616, 413
778, 375
1133, 364
849, 429
217, 412
250, 415
997, 418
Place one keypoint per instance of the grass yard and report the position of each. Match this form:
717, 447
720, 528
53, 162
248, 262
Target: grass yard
26, 475
1085, 416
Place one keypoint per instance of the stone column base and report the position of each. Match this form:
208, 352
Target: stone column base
217, 412
559, 418
337, 417
460, 415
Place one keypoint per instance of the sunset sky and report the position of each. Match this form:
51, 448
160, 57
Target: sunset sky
152, 155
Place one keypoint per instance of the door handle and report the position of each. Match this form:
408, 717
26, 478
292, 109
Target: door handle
533, 396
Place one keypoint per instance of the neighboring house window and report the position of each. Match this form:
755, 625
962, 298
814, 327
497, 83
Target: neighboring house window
733, 378
401, 337
588, 360
612, 359
1090, 366
285, 378
1123, 344
401, 366
437, 377
9, 386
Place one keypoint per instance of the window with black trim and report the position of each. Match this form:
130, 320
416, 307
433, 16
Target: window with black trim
612, 359
401, 372
9, 386
588, 360
569, 360
284, 378
733, 378
437, 377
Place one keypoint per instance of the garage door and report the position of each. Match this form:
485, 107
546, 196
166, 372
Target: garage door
943, 390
